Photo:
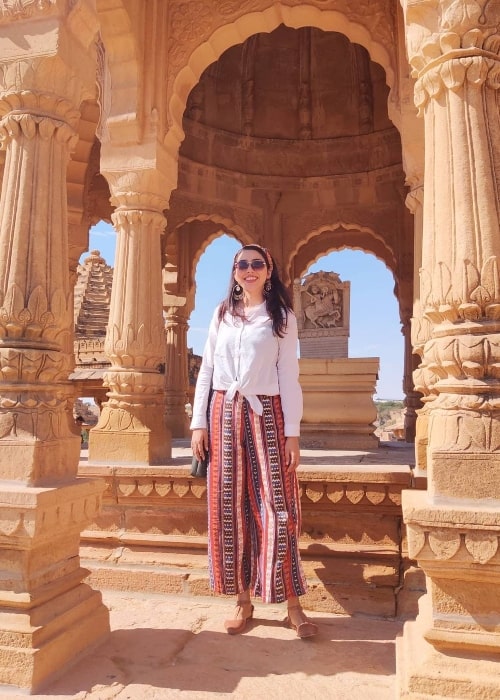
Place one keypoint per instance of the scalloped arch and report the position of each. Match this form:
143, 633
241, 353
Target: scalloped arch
389, 260
227, 225
230, 226
264, 21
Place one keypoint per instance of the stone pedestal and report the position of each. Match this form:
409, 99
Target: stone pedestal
339, 412
48, 616
431, 672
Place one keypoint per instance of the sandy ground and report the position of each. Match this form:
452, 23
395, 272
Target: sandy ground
175, 647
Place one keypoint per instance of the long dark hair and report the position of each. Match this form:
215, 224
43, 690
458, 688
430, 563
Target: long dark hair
278, 301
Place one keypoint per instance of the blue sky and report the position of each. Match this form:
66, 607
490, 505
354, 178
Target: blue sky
375, 325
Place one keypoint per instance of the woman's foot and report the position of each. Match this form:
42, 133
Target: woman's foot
242, 613
297, 620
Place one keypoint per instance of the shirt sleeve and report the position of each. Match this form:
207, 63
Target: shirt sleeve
288, 378
204, 380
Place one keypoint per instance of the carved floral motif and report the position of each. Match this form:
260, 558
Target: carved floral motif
20, 423
469, 295
450, 43
177, 486
132, 346
29, 126
446, 544
143, 191
43, 321
129, 382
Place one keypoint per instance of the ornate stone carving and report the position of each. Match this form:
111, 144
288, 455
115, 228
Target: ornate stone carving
447, 544
24, 9
29, 126
460, 357
322, 300
193, 24
131, 423
482, 546
467, 293
145, 190
455, 43
135, 336
444, 543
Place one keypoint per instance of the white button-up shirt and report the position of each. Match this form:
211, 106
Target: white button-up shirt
244, 356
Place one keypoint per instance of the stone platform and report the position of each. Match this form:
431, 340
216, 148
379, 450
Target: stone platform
151, 533
164, 647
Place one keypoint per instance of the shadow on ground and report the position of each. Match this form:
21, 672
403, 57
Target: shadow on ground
198, 658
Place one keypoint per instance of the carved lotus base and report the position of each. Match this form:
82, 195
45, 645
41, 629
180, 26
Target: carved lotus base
130, 435
425, 672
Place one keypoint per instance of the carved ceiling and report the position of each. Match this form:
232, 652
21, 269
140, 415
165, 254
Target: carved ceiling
292, 102
293, 84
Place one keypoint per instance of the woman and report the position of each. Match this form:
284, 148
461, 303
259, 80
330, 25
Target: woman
250, 372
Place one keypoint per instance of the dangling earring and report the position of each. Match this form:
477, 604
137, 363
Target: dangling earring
267, 288
237, 292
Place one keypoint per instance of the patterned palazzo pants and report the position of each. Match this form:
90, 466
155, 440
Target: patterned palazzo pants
253, 502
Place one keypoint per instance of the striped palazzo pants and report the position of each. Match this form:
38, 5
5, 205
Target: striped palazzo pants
253, 502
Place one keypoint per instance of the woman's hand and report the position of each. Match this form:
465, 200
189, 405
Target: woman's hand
199, 442
292, 452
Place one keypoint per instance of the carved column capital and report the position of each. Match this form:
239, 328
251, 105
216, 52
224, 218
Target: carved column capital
147, 219
28, 125
138, 189
58, 57
451, 43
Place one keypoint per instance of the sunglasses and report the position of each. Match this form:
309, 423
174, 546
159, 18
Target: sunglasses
254, 264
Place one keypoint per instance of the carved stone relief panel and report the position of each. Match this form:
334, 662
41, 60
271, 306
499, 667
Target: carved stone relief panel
321, 302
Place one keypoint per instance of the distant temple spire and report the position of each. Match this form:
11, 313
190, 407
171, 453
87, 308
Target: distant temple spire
92, 297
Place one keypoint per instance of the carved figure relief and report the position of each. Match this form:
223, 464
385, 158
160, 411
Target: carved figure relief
322, 298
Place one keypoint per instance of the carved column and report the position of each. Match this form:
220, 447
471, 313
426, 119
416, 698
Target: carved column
412, 398
131, 426
419, 394
176, 364
48, 616
453, 648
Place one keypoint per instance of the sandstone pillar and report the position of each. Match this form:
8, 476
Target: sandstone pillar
453, 648
412, 397
48, 617
176, 370
420, 333
131, 426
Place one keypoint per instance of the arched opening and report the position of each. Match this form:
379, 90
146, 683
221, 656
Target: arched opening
286, 133
375, 327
